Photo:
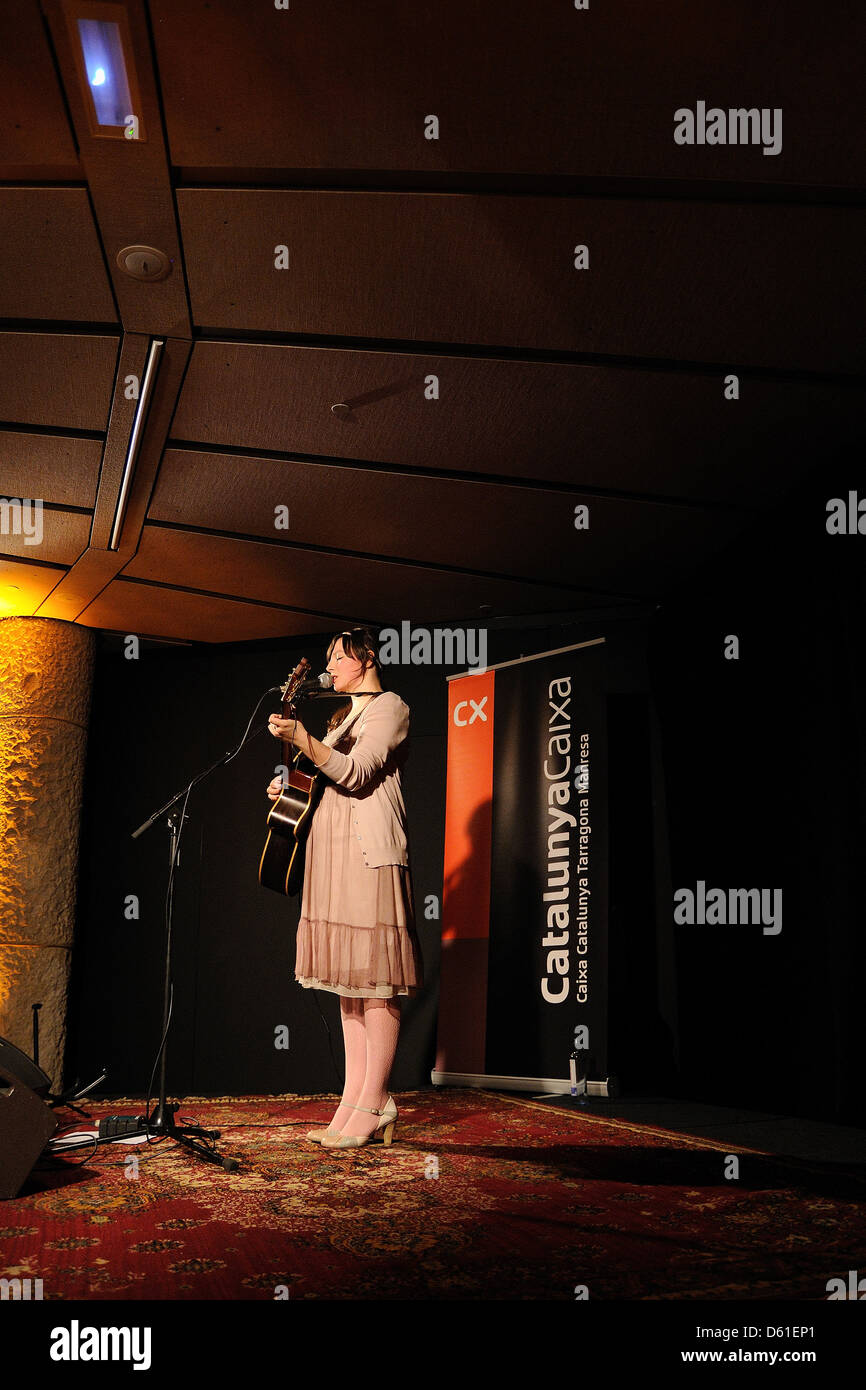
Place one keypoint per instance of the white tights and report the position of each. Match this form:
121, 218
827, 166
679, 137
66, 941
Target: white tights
371, 1028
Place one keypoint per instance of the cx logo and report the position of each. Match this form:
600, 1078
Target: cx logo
477, 711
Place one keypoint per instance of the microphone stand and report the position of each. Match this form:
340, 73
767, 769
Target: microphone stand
162, 1123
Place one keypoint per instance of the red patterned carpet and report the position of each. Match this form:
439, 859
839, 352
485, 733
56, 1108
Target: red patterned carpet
483, 1197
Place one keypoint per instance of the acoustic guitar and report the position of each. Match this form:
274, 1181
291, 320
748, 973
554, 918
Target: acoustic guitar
291, 816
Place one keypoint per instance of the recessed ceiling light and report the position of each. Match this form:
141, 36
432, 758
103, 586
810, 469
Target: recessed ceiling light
106, 71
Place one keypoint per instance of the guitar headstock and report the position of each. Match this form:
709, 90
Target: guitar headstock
297, 677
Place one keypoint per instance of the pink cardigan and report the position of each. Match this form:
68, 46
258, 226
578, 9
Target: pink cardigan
370, 776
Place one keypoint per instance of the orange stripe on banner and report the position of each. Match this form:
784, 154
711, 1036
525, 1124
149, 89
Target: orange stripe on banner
468, 808
466, 892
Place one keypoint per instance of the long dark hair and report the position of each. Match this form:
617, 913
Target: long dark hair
360, 644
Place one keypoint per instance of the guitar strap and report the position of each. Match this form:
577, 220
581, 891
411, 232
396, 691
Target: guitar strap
301, 757
351, 719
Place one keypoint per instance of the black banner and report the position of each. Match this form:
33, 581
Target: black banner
547, 969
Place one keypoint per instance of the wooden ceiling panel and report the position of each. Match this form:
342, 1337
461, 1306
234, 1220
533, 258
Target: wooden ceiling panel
519, 532
56, 468
52, 536
24, 586
706, 282
552, 90
327, 583
153, 611
48, 236
64, 380
34, 131
651, 432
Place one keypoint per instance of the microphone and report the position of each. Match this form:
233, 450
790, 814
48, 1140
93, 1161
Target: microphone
317, 685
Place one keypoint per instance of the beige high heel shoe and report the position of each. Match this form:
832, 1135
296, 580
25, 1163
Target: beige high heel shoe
385, 1127
317, 1135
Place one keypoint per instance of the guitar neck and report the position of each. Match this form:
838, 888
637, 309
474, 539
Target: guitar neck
287, 748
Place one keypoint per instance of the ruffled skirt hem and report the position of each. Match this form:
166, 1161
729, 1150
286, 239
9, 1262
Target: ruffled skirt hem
366, 962
380, 992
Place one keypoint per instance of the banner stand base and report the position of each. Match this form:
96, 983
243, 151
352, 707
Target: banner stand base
549, 1085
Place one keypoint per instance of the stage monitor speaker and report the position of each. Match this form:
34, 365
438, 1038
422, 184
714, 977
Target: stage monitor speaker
26, 1070
26, 1125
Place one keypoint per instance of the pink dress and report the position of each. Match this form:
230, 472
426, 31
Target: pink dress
356, 934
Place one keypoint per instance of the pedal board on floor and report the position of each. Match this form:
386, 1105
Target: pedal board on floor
121, 1126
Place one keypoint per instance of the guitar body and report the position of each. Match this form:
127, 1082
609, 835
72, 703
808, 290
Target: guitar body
289, 822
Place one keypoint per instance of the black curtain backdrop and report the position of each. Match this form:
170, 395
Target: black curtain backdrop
745, 773
765, 770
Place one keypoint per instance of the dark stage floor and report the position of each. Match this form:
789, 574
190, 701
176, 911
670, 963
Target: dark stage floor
768, 1132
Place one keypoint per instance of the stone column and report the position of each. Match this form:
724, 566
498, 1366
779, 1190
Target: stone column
46, 672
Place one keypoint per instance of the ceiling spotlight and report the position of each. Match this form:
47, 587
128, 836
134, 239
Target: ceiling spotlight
103, 57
